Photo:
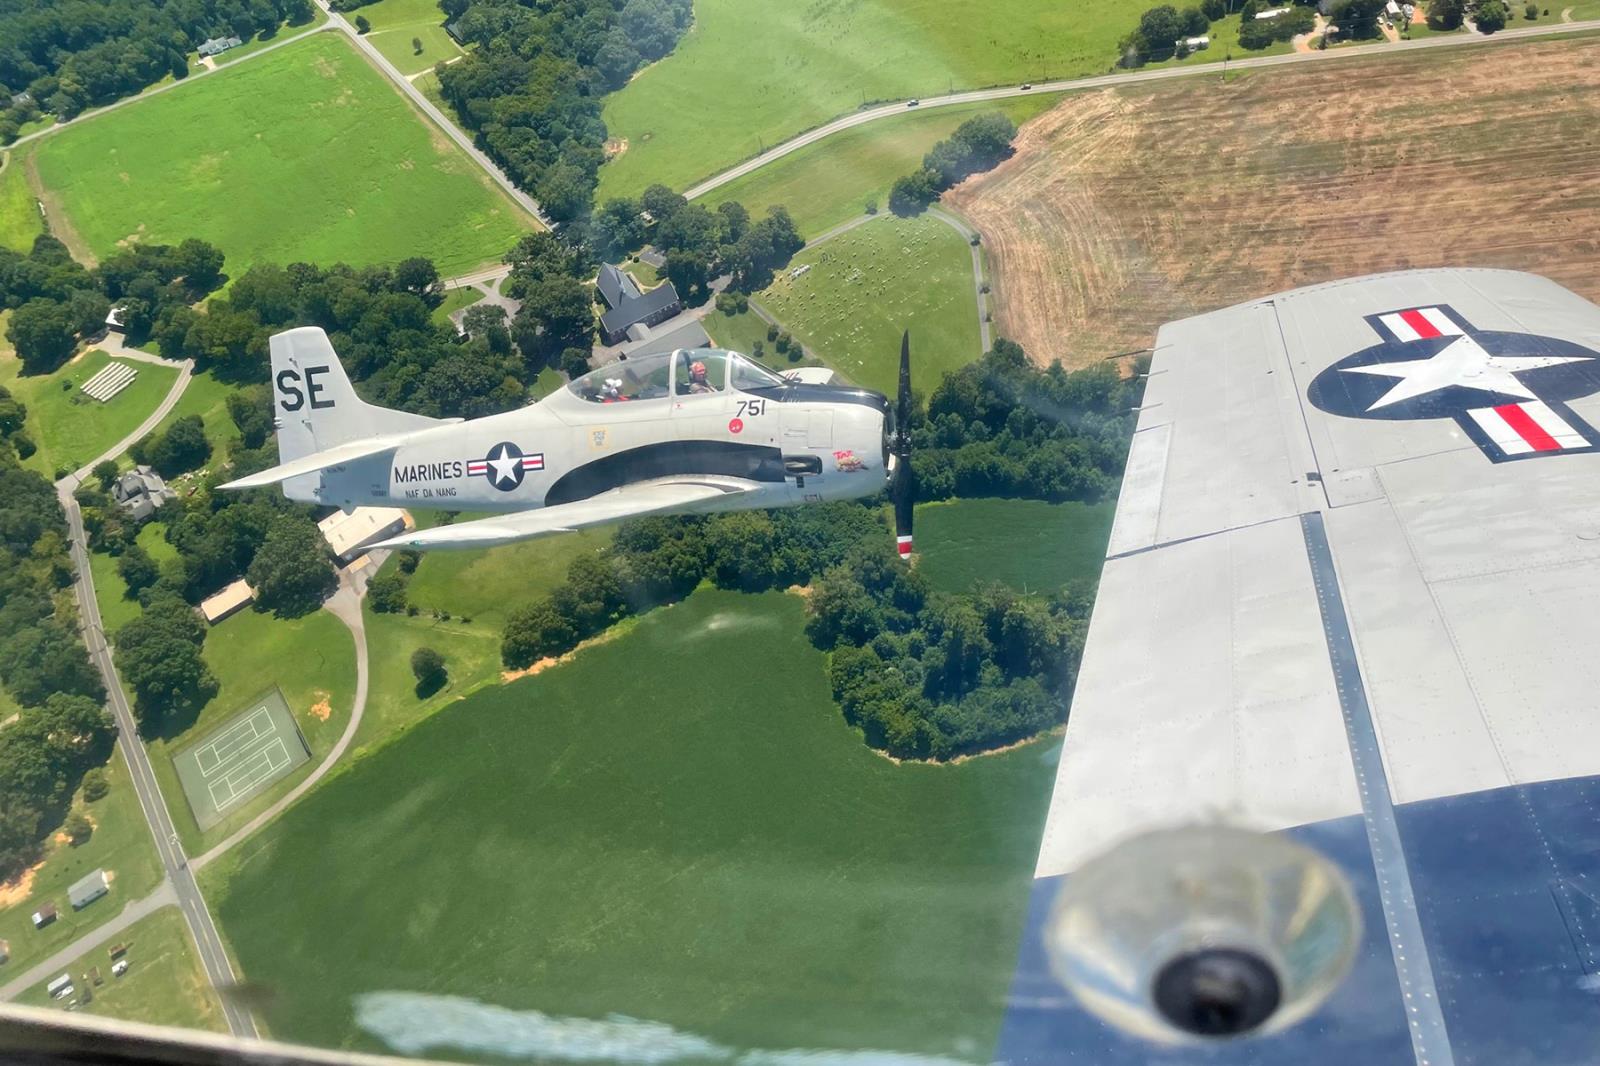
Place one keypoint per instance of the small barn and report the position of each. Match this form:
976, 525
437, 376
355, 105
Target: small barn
228, 601
88, 889
44, 916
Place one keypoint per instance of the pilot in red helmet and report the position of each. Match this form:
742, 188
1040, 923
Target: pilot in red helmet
697, 378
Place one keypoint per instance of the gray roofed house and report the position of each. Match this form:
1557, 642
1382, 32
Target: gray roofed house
630, 308
90, 888
453, 28
141, 491
217, 45
689, 335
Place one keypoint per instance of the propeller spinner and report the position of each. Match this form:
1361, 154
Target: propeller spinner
902, 486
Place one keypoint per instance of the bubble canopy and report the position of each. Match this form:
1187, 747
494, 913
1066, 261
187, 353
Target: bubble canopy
686, 371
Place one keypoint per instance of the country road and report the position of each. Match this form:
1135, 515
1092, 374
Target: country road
1380, 48
208, 942
423, 104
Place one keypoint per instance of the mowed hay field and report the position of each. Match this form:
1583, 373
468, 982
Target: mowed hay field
1030, 545
677, 827
1125, 209
748, 74
307, 154
865, 287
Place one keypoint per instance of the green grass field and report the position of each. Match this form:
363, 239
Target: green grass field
1028, 544
312, 659
117, 609
455, 300
740, 332
69, 427
164, 985
747, 75
472, 658
307, 154
120, 845
256, 44
830, 182
207, 396
644, 832
20, 222
866, 286
487, 585
396, 22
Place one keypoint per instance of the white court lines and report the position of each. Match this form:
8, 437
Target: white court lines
241, 780
245, 732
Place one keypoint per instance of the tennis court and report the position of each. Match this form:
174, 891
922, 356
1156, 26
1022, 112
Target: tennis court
241, 758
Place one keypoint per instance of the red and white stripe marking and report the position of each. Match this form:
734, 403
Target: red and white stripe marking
904, 544
477, 466
1420, 323
1523, 428
533, 462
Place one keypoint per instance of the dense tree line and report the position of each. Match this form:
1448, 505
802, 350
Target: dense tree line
923, 674
531, 89
380, 321
56, 301
1163, 30
699, 244
977, 144
1257, 33
62, 57
1004, 427
61, 729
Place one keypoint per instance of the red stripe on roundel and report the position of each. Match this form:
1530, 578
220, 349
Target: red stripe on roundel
1526, 428
1419, 322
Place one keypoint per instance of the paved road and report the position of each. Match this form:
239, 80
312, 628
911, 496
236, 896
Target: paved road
164, 896
423, 104
345, 606
190, 80
213, 957
861, 118
490, 276
164, 408
968, 233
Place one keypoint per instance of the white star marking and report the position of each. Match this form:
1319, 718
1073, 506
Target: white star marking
505, 465
1463, 362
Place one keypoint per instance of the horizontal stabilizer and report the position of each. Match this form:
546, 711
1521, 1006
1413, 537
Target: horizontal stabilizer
628, 502
310, 464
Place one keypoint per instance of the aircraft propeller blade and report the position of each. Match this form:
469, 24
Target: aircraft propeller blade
902, 488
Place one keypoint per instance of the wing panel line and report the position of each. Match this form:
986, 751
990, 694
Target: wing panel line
1430, 1040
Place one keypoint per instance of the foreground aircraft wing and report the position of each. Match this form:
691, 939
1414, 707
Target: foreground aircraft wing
1352, 595
629, 501
309, 464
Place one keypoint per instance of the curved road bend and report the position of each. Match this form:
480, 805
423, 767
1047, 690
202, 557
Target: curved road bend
345, 605
861, 118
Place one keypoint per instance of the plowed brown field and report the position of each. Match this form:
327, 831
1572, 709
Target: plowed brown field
1126, 208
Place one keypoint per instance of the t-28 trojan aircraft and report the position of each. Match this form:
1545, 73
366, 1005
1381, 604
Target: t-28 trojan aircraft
691, 431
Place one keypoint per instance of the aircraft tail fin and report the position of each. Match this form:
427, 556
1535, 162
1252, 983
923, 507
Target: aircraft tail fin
315, 406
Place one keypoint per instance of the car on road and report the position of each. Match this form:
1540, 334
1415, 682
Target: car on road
913, 103
1027, 85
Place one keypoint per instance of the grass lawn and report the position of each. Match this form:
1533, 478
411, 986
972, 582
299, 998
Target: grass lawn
312, 659
641, 832
396, 22
829, 182
256, 44
69, 427
455, 300
866, 286
471, 654
740, 332
1028, 544
548, 381
487, 585
747, 75
307, 154
207, 396
20, 222
120, 845
117, 609
164, 985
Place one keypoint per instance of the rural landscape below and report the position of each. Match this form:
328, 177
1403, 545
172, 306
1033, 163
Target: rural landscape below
731, 786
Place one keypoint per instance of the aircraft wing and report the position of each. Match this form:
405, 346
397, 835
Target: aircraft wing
629, 501
309, 464
1352, 594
